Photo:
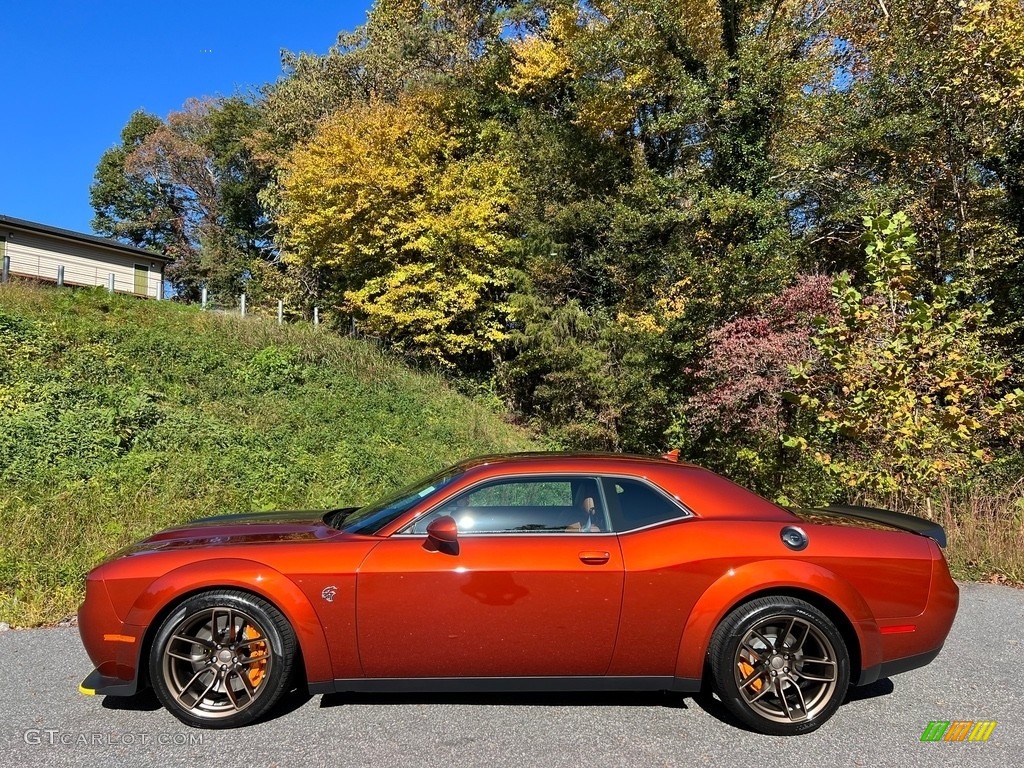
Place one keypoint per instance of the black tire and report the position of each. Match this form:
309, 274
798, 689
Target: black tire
779, 665
222, 659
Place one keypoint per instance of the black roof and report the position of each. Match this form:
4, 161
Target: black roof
559, 456
67, 234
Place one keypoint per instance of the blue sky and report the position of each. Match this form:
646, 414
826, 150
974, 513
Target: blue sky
74, 71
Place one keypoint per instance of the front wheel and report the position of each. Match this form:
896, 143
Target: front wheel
222, 659
780, 665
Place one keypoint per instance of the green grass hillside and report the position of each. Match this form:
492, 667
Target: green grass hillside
119, 417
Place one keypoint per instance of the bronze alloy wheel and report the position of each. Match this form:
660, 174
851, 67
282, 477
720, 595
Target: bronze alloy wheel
780, 665
222, 659
786, 669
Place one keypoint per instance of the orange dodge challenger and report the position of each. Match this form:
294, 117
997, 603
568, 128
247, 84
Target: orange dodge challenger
526, 572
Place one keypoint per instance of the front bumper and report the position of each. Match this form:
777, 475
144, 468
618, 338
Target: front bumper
114, 647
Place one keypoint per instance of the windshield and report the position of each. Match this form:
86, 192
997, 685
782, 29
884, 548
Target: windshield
373, 517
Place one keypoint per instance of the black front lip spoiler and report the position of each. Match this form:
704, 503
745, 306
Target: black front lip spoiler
917, 525
104, 685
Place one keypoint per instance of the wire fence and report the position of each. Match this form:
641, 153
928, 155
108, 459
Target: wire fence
60, 275
244, 307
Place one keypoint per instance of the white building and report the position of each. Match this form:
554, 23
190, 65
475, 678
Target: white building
38, 251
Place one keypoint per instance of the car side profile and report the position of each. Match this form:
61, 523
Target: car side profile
526, 572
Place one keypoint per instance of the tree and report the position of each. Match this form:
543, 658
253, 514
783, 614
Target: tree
562, 375
739, 412
924, 113
129, 206
201, 162
903, 393
404, 45
650, 136
407, 206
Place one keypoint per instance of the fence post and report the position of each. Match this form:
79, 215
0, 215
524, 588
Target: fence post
6, 275
243, 305
203, 305
280, 312
316, 316
110, 283
60, 275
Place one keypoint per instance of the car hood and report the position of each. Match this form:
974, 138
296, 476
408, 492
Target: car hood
246, 528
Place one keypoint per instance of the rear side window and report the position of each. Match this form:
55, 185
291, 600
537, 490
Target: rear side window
641, 505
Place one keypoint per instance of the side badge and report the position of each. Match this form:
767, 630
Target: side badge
329, 593
794, 538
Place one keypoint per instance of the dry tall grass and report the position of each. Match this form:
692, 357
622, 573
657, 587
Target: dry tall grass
986, 534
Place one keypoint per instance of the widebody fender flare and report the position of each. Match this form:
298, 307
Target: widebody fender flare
251, 576
737, 585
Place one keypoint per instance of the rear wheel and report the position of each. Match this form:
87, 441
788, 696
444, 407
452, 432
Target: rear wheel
780, 665
222, 659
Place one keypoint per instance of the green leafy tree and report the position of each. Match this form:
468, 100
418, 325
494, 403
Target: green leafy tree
129, 206
903, 394
561, 376
922, 113
201, 159
653, 164
404, 45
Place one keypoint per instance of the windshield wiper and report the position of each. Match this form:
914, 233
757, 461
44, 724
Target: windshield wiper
337, 517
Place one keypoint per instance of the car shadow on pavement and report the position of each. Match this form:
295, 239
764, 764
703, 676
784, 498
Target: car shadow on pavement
294, 699
878, 688
712, 706
709, 703
146, 701
143, 701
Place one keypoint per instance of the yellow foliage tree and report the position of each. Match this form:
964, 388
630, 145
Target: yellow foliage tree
542, 59
612, 56
409, 203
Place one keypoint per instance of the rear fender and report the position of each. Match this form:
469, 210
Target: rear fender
250, 576
760, 578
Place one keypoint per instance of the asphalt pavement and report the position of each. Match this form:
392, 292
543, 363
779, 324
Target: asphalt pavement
979, 676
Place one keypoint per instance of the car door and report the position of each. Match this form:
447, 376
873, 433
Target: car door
525, 591
666, 572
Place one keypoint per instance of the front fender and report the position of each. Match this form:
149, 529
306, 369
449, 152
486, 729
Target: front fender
250, 576
738, 584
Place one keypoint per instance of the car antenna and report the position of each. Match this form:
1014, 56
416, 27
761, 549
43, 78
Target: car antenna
672, 455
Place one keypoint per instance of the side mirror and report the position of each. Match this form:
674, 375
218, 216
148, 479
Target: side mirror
443, 530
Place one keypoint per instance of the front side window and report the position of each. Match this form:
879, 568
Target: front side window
525, 505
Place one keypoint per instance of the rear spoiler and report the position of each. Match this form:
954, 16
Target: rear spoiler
918, 525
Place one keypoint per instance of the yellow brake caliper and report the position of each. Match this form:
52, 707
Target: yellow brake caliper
258, 670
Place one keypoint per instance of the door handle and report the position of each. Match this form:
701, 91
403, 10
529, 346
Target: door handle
594, 557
